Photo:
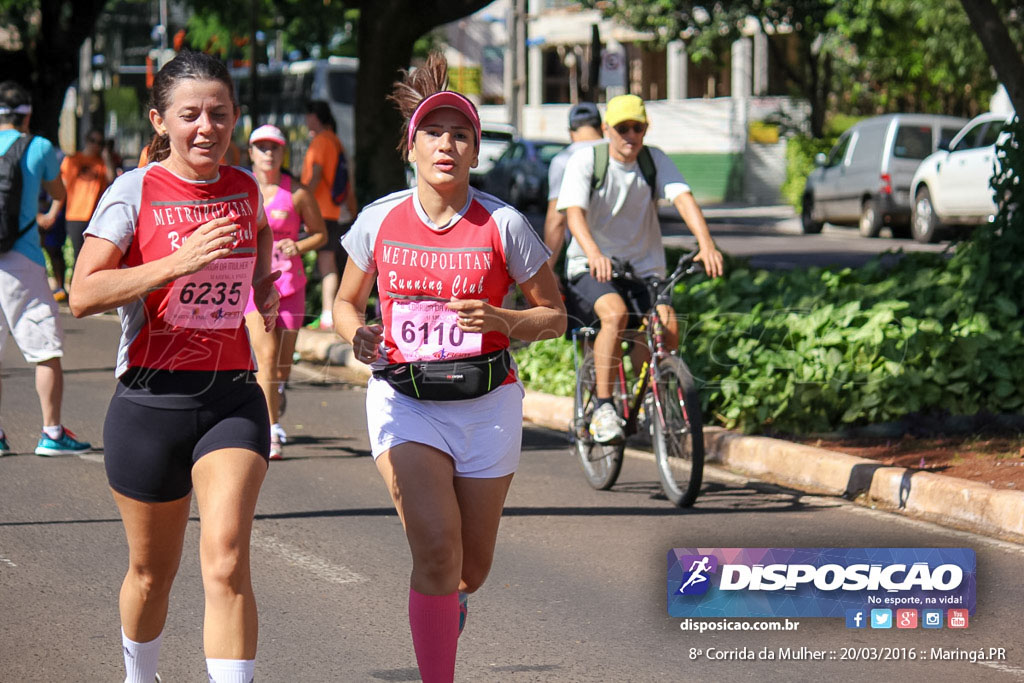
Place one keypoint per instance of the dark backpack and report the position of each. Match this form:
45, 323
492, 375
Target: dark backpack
10, 194
339, 188
646, 162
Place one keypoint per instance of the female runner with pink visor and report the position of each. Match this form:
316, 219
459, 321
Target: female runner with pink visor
444, 406
288, 206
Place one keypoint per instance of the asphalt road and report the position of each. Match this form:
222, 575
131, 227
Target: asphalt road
770, 237
577, 592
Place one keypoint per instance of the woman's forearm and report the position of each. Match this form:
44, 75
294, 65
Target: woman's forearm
533, 324
104, 290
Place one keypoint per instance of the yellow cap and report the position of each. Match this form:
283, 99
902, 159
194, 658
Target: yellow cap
625, 108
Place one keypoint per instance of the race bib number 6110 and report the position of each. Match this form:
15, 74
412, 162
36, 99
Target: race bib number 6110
428, 330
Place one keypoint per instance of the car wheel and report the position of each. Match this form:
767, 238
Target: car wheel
809, 225
924, 224
870, 223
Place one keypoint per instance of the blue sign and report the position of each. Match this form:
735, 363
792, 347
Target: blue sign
819, 582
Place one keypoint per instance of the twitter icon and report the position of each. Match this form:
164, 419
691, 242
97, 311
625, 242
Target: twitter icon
881, 618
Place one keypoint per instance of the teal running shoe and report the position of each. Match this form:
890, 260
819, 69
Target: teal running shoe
5, 448
463, 610
67, 444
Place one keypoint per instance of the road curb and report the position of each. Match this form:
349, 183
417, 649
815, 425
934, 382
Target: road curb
949, 501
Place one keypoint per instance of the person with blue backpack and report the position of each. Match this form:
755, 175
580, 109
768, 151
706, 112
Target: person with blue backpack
610, 195
29, 311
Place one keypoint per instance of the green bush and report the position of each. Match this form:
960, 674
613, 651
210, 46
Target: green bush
800, 152
816, 349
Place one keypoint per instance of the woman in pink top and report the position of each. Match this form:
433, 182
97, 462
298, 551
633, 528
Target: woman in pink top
288, 206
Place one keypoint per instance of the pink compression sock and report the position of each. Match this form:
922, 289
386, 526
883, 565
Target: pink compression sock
434, 620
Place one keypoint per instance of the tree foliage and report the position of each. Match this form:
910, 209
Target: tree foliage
45, 38
306, 26
854, 56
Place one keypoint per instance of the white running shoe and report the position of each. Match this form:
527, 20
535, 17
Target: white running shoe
277, 430
606, 425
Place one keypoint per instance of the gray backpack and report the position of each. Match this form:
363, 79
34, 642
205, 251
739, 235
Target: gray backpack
10, 194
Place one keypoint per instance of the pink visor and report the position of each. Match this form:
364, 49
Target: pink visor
445, 98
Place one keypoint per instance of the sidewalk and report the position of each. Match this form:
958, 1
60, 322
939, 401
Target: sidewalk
936, 498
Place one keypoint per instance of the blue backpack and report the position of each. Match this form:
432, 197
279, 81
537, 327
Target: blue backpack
340, 186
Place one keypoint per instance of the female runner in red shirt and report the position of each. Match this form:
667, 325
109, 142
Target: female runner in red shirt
176, 246
443, 257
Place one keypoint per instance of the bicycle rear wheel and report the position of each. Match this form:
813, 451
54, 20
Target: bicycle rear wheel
601, 462
677, 433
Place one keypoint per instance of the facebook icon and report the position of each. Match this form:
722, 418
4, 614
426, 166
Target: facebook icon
856, 618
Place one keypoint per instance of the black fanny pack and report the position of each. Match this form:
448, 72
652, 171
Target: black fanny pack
454, 380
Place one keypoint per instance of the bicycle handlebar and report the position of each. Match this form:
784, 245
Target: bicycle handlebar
623, 270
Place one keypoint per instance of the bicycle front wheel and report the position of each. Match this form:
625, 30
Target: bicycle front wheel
601, 462
677, 433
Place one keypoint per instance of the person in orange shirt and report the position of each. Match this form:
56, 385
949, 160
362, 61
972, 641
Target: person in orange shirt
85, 174
318, 169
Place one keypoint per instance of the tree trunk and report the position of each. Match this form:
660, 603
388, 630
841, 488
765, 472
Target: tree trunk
47, 67
385, 47
1004, 55
388, 29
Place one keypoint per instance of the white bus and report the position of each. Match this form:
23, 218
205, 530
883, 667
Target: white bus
284, 90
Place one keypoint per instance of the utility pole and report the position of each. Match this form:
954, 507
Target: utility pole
515, 63
163, 25
254, 75
85, 94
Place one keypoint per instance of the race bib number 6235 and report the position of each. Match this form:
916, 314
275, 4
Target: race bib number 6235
212, 298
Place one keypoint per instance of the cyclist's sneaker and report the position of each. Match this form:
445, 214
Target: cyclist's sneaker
67, 444
463, 610
276, 451
606, 425
5, 448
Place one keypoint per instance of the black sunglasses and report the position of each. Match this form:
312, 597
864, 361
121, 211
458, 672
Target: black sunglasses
98, 141
624, 128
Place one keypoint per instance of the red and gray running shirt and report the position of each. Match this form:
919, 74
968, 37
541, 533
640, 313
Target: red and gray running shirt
481, 253
195, 322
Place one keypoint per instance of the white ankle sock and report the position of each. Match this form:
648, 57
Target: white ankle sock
230, 670
140, 659
53, 431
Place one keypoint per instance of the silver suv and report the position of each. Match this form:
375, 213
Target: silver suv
865, 179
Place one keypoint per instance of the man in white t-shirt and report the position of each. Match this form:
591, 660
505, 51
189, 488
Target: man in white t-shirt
620, 218
584, 131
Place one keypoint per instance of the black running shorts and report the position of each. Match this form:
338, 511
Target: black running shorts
160, 423
582, 292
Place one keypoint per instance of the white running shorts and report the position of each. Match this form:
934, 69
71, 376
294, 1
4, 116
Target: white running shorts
482, 435
29, 312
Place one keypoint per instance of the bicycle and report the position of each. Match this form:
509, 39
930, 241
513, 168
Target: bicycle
663, 397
